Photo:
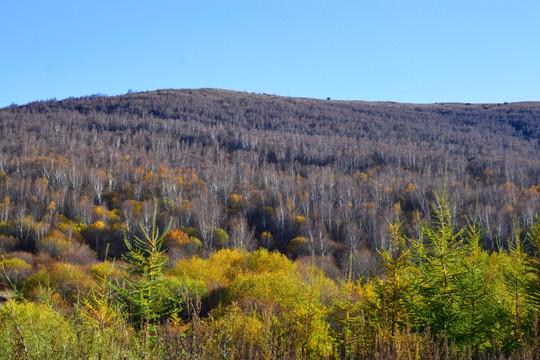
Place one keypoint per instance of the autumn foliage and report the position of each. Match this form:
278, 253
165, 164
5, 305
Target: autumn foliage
290, 228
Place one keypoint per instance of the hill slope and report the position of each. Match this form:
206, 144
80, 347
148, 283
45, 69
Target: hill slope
286, 168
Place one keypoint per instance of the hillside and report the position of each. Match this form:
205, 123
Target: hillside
140, 226
262, 162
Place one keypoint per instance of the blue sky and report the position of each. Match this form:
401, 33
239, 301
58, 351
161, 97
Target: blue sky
406, 51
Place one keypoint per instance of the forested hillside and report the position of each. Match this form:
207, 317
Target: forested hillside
359, 196
267, 170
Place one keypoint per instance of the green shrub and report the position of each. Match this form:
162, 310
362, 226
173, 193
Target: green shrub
34, 331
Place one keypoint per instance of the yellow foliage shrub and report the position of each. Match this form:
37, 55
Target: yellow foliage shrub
243, 330
269, 288
235, 200
262, 260
180, 244
35, 284
218, 271
14, 263
108, 270
110, 216
98, 210
13, 271
46, 333
54, 243
70, 280
71, 230
99, 225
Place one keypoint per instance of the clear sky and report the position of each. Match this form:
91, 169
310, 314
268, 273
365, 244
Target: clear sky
406, 50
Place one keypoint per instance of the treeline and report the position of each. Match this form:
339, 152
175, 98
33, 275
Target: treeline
441, 296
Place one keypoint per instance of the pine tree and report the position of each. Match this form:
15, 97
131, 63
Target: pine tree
146, 294
479, 308
348, 316
394, 290
437, 255
516, 276
533, 265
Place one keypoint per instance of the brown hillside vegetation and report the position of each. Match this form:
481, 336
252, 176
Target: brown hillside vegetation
260, 161
291, 227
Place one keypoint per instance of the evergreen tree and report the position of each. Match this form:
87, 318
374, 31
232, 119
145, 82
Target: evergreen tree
533, 265
516, 276
394, 289
147, 293
438, 255
479, 308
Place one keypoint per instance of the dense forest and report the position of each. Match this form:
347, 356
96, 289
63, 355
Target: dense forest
290, 228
